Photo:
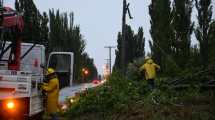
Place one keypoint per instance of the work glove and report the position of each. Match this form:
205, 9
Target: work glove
40, 85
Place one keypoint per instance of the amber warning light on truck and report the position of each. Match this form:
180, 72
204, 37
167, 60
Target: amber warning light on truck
10, 105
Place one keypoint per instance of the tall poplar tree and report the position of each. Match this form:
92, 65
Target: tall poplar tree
204, 28
32, 19
161, 31
44, 29
134, 44
64, 36
139, 45
183, 28
211, 43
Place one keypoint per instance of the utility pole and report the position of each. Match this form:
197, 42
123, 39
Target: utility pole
125, 11
110, 47
107, 61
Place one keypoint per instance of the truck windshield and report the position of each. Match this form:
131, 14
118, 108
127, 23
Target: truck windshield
60, 62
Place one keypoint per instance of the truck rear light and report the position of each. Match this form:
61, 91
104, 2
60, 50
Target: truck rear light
14, 108
10, 105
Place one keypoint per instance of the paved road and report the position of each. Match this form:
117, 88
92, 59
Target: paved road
70, 91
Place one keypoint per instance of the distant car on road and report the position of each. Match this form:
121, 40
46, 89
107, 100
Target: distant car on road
96, 81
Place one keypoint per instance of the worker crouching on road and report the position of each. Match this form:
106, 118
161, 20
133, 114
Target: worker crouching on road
149, 68
52, 90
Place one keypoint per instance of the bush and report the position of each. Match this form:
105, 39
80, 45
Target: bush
114, 95
120, 96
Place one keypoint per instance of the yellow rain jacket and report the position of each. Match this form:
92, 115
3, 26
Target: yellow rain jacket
150, 69
52, 89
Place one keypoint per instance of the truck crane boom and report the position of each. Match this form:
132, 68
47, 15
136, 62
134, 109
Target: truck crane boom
12, 22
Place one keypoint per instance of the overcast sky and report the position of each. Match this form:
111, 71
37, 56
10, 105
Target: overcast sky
100, 21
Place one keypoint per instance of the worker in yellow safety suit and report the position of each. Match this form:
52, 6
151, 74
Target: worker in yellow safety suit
149, 68
52, 90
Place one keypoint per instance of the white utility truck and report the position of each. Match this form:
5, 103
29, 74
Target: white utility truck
20, 71
19, 93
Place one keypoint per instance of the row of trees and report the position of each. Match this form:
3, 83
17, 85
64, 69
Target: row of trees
171, 32
58, 33
134, 46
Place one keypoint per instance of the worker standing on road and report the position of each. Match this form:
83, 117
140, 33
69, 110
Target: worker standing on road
149, 68
52, 90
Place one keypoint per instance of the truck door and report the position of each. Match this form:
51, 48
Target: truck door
62, 62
